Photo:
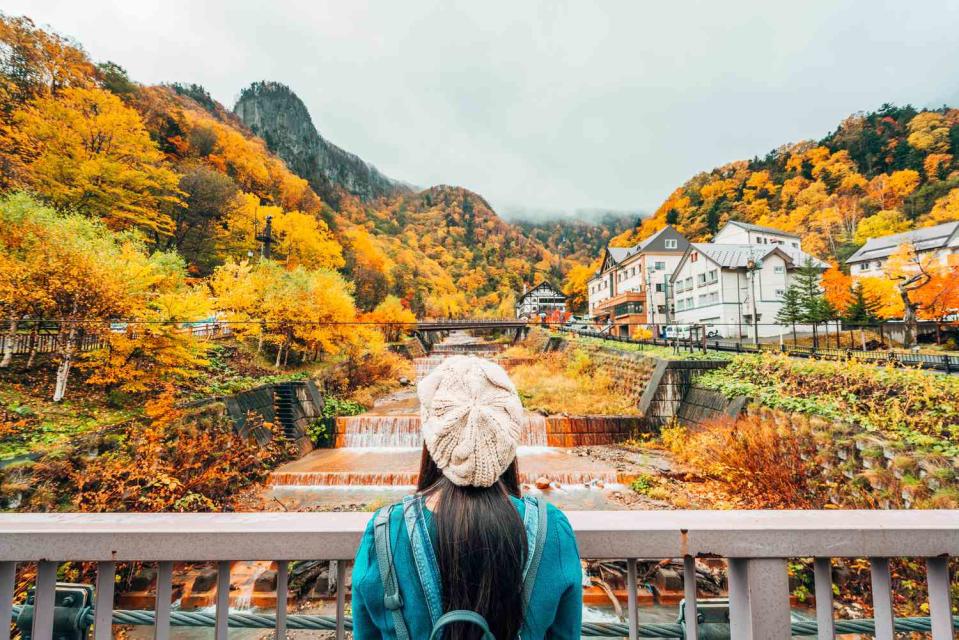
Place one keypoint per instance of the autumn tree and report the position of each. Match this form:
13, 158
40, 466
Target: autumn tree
84, 150
392, 318
911, 271
576, 287
158, 349
884, 223
89, 274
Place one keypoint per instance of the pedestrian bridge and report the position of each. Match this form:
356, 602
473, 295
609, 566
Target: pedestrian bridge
463, 324
756, 545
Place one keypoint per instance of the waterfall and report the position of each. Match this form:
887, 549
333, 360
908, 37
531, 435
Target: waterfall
403, 432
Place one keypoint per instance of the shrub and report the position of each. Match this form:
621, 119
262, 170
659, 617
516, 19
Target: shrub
755, 459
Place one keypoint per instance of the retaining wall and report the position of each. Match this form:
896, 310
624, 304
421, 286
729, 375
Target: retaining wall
701, 405
865, 470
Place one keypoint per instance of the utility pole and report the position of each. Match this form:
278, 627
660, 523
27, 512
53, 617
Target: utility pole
267, 239
752, 266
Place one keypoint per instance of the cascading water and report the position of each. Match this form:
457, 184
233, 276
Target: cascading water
382, 447
403, 432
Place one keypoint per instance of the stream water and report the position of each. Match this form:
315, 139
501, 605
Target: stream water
375, 461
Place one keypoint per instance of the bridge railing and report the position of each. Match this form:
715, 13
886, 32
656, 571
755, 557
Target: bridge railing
757, 545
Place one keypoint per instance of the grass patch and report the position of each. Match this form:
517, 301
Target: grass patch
919, 408
569, 382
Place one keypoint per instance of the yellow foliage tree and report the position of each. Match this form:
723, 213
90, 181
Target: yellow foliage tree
392, 318
946, 209
929, 131
884, 223
577, 284
84, 150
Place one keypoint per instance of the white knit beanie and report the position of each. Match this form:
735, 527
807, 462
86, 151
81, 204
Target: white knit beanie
471, 418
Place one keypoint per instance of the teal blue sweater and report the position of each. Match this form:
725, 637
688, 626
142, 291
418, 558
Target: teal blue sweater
556, 604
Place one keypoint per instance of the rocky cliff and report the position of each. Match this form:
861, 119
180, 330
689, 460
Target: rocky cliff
273, 112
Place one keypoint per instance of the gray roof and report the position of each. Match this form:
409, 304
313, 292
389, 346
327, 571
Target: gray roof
618, 254
736, 256
755, 227
925, 239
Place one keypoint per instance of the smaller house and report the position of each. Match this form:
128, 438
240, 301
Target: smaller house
544, 298
941, 242
631, 287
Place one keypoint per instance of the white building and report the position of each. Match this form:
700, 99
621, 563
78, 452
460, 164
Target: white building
631, 288
736, 232
939, 244
724, 285
543, 298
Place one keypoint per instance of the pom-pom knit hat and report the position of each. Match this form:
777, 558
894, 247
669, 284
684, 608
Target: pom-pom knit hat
471, 418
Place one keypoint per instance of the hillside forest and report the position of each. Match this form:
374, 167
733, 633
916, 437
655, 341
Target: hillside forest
878, 173
127, 210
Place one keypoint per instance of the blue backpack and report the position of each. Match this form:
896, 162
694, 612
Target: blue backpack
427, 567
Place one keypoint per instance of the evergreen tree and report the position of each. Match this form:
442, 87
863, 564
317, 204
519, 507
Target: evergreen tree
863, 309
791, 311
814, 307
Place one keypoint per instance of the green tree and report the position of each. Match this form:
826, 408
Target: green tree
815, 309
791, 312
863, 309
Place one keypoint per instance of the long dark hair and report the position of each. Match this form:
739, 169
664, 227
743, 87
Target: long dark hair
481, 549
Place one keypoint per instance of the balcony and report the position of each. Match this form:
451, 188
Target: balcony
620, 298
755, 543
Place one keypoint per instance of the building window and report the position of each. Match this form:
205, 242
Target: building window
680, 305
632, 271
660, 265
693, 257
659, 287
671, 243
795, 244
701, 278
779, 294
779, 269
713, 275
714, 296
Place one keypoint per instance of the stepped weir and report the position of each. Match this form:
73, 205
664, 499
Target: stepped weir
382, 447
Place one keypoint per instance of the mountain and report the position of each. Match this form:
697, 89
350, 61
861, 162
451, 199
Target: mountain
579, 240
273, 112
441, 250
878, 173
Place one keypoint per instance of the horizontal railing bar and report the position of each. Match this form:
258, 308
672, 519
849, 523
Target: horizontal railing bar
600, 534
251, 620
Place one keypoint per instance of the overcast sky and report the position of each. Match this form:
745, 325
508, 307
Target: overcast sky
542, 105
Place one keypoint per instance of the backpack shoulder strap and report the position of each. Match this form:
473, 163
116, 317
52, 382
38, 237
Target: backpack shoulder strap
392, 599
462, 615
536, 552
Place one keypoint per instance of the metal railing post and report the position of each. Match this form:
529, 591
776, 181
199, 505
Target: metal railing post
759, 599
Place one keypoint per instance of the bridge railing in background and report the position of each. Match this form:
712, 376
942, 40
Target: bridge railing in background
757, 545
944, 362
50, 342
